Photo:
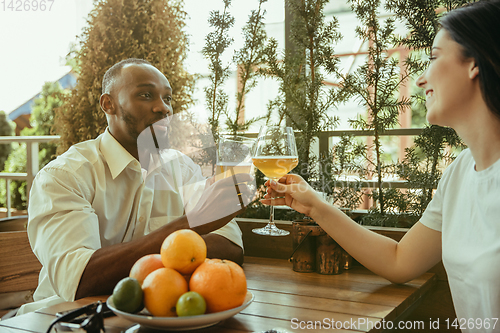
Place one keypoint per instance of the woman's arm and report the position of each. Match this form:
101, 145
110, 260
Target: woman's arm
418, 250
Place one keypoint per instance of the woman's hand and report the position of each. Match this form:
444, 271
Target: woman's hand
298, 194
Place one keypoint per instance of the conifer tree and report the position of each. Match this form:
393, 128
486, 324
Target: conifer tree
117, 30
248, 59
216, 42
375, 84
5, 130
421, 19
303, 98
420, 168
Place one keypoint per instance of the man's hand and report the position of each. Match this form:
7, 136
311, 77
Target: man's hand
220, 202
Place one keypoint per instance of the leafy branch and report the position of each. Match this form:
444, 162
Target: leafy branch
216, 42
303, 99
375, 84
248, 59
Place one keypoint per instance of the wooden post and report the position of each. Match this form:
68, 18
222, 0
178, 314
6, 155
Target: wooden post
367, 200
324, 147
241, 112
32, 166
8, 203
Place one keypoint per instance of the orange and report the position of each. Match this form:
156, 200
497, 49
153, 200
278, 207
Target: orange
221, 282
144, 266
162, 288
183, 250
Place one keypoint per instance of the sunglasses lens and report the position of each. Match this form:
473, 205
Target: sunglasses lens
94, 324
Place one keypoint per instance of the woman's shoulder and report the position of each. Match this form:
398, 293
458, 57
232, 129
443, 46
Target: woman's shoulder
463, 162
465, 157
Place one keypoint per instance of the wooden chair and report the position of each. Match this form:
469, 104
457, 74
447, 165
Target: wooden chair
19, 269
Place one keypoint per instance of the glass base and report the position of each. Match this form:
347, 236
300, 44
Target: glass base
271, 230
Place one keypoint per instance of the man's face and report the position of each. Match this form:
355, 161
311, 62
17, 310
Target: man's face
142, 95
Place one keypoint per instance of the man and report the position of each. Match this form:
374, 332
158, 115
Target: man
91, 215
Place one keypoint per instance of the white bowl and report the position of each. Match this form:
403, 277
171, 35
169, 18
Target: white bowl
180, 323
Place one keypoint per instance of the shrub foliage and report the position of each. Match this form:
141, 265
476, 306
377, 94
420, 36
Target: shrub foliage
5, 130
117, 30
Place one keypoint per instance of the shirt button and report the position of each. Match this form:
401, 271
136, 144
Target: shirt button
141, 219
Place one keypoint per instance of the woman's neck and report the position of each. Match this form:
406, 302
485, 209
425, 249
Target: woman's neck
482, 136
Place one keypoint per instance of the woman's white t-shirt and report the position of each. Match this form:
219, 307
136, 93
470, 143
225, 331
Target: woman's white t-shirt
466, 209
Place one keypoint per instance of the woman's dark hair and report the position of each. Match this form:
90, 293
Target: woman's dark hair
476, 27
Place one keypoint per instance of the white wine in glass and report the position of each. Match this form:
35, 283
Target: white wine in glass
275, 154
275, 167
234, 155
228, 169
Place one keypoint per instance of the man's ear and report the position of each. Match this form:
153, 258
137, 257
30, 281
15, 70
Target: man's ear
107, 105
473, 70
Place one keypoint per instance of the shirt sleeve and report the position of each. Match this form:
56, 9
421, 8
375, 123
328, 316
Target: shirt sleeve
232, 232
194, 182
63, 228
433, 214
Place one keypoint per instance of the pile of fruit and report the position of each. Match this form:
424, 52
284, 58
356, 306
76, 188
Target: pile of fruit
181, 281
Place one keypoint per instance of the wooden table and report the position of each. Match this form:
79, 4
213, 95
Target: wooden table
287, 300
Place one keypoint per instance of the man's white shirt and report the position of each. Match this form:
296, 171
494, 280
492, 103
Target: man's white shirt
96, 195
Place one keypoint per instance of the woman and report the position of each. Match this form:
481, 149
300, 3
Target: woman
461, 225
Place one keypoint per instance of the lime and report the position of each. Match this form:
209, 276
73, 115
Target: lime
127, 295
190, 304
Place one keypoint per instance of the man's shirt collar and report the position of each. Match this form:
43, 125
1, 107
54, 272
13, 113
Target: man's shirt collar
117, 157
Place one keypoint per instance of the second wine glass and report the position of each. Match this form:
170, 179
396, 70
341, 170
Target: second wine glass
275, 154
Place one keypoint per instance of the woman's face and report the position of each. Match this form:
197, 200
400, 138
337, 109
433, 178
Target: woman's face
449, 83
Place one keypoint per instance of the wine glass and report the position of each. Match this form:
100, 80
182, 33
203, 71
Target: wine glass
275, 154
234, 155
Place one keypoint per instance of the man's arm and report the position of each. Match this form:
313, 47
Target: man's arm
222, 248
110, 264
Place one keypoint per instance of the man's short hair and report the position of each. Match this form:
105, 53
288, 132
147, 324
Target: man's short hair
112, 73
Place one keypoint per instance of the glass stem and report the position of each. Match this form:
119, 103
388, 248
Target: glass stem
271, 217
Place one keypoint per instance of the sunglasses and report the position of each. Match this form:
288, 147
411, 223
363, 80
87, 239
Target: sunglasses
89, 318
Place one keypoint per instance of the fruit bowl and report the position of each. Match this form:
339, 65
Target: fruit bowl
180, 323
